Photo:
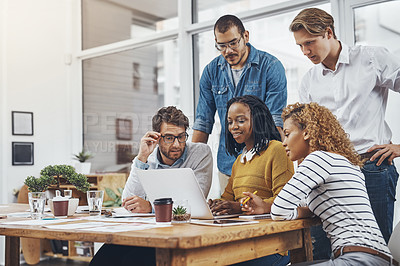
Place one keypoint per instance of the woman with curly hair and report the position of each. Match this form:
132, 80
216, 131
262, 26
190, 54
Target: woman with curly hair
329, 184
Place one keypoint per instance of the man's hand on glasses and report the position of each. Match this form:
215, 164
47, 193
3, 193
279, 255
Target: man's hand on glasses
147, 145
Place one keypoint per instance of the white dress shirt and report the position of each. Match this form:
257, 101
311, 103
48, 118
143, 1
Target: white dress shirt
356, 92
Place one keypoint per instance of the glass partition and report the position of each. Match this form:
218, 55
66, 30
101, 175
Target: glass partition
122, 92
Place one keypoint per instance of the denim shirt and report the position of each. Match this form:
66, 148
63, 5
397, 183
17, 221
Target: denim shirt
263, 76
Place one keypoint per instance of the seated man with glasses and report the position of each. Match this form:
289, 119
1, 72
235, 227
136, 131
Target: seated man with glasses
239, 70
165, 147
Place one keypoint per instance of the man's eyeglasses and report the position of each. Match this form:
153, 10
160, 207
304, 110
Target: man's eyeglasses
171, 138
233, 45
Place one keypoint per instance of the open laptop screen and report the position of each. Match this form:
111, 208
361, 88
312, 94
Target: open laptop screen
178, 184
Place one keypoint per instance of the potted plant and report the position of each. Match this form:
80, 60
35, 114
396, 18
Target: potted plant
64, 175
82, 166
181, 212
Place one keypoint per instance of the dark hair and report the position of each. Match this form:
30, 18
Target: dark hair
314, 20
264, 128
226, 22
171, 115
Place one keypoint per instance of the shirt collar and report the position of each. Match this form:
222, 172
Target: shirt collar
177, 162
248, 155
252, 59
343, 59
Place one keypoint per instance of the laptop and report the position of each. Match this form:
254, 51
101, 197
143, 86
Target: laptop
178, 184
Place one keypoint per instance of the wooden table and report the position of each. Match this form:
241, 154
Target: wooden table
184, 244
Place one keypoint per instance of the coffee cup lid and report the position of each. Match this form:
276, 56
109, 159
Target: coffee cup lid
163, 201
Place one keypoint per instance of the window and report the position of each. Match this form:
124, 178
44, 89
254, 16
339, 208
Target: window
114, 90
144, 55
207, 9
110, 21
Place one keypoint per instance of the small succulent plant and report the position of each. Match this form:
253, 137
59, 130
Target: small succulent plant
180, 210
179, 214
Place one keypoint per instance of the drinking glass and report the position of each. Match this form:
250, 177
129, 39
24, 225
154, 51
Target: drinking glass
37, 200
95, 201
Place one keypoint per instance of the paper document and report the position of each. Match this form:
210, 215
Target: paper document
122, 212
39, 222
79, 225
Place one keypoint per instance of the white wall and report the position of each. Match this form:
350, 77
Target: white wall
36, 78
35, 39
2, 114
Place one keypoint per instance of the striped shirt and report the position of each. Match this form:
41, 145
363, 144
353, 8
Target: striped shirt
334, 190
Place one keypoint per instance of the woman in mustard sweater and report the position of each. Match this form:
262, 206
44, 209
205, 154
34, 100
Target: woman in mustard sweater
263, 165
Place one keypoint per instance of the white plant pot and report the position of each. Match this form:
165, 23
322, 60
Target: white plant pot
83, 168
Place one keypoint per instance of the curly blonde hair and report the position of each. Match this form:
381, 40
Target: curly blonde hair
326, 133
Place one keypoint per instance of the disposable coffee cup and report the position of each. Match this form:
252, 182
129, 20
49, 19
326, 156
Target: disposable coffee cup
163, 210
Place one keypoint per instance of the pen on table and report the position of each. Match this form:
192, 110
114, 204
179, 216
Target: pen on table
247, 199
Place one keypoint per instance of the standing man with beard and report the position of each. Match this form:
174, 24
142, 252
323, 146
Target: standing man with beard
239, 70
165, 147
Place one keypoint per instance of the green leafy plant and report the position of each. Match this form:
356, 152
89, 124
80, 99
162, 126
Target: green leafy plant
116, 199
83, 156
38, 184
66, 172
